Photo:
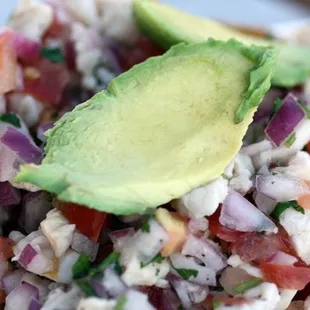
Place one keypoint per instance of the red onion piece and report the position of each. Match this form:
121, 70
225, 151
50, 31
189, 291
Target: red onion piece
205, 276
197, 225
118, 237
42, 129
34, 209
34, 304
280, 187
21, 296
21, 145
282, 258
9, 195
27, 255
264, 203
239, 214
232, 277
27, 50
169, 300
205, 250
82, 244
283, 123
11, 280
113, 284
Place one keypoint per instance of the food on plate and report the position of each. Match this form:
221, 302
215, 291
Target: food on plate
150, 160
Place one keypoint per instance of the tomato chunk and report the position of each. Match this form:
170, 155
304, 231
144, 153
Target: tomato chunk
224, 233
6, 248
258, 248
50, 84
88, 221
8, 62
286, 276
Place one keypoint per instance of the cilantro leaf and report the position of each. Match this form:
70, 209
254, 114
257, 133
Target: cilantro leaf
276, 106
81, 268
156, 259
10, 118
146, 227
180, 307
215, 304
121, 303
282, 206
85, 287
111, 260
54, 55
246, 285
186, 273
290, 140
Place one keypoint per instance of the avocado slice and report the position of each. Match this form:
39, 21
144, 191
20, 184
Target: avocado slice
159, 130
168, 26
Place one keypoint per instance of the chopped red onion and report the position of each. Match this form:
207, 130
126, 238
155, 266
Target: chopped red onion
21, 296
27, 255
34, 304
82, 244
283, 123
34, 209
113, 284
232, 277
98, 288
9, 195
282, 258
11, 280
118, 237
197, 225
239, 214
205, 276
27, 50
16, 236
22, 145
205, 250
136, 300
189, 293
8, 164
169, 300
280, 187
41, 131
264, 203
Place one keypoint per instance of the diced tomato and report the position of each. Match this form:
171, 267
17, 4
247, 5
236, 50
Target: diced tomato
224, 233
154, 294
144, 49
286, 276
8, 62
308, 147
6, 248
88, 221
258, 248
2, 296
57, 29
304, 201
51, 83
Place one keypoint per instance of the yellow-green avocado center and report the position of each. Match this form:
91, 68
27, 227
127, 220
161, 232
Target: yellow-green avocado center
159, 130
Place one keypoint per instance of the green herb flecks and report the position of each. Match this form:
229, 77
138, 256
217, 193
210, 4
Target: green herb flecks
10, 118
111, 260
215, 304
282, 206
121, 303
276, 106
54, 55
81, 268
156, 259
186, 273
246, 285
85, 287
290, 140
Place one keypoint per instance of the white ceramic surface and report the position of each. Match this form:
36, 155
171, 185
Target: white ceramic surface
255, 12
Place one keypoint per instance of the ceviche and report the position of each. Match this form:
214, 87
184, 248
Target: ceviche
150, 159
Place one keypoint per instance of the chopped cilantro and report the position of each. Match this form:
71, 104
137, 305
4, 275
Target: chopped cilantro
121, 303
246, 285
10, 118
81, 268
180, 307
85, 287
224, 176
54, 54
158, 258
282, 206
186, 273
146, 227
215, 304
276, 106
111, 260
290, 140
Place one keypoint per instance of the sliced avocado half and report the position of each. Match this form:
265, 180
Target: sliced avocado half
159, 130
168, 26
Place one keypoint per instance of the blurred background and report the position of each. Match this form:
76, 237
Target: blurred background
246, 12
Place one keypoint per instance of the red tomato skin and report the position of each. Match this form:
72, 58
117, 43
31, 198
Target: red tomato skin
6, 248
88, 221
286, 276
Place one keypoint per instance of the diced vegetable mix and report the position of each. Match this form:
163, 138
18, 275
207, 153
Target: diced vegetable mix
58, 255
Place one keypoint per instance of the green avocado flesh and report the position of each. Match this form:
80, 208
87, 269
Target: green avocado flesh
159, 130
168, 26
